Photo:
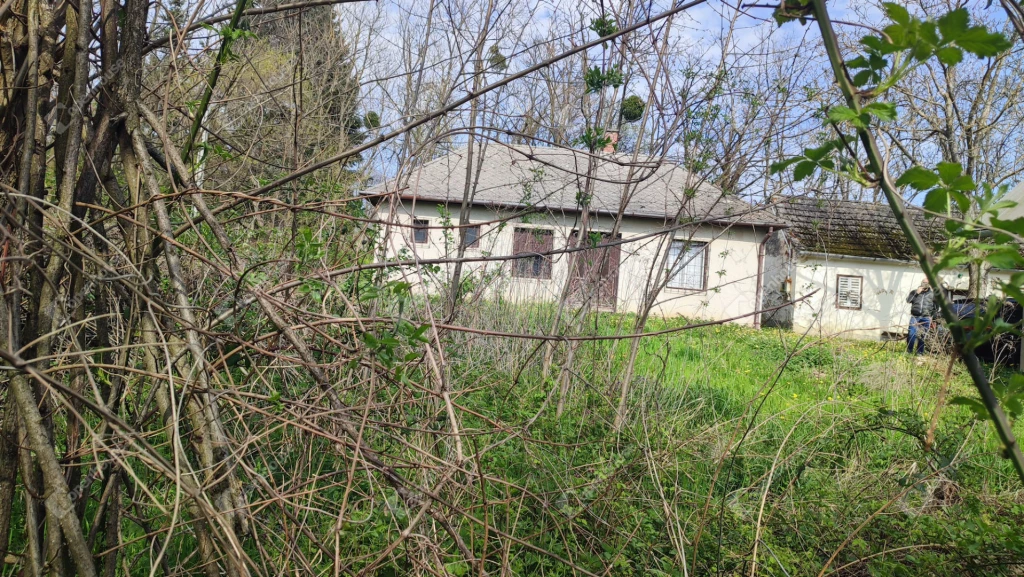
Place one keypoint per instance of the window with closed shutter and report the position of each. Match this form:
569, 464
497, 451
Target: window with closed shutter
848, 291
686, 265
530, 242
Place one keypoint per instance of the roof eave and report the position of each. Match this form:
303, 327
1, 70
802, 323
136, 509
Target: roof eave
719, 220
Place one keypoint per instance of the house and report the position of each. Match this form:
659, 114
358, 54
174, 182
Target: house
856, 260
647, 219
1016, 194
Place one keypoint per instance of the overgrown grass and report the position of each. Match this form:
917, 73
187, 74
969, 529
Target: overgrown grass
736, 439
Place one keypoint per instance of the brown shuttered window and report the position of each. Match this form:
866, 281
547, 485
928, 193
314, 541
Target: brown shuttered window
526, 241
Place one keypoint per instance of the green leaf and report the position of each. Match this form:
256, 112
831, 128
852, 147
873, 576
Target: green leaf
897, 13
841, 113
918, 178
858, 62
954, 24
923, 50
861, 78
595, 79
1015, 226
818, 153
884, 111
949, 171
1013, 405
1005, 259
457, 568
897, 38
979, 41
950, 261
418, 334
803, 170
1012, 291
973, 404
873, 42
781, 165
929, 35
937, 201
950, 55
962, 202
964, 182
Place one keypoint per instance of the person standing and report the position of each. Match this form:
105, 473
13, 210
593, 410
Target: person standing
922, 306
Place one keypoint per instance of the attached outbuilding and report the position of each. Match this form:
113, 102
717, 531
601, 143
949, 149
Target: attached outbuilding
855, 259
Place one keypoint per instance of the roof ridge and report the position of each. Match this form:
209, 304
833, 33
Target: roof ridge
554, 178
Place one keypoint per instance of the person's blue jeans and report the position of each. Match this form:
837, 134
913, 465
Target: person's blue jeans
918, 331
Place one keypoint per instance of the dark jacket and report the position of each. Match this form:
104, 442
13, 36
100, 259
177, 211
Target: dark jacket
922, 304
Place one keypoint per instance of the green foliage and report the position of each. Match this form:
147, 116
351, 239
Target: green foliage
371, 120
918, 178
308, 246
830, 156
596, 80
910, 40
594, 138
604, 26
215, 148
632, 108
229, 36
789, 10
496, 60
950, 192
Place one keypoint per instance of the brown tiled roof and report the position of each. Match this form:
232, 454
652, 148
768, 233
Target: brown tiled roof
852, 228
552, 178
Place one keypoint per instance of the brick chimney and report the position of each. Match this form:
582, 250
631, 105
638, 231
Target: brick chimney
613, 138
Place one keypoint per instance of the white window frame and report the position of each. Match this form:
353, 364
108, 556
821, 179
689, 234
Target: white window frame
421, 225
691, 266
479, 233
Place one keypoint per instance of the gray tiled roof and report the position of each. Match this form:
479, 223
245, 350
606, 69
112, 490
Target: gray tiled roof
553, 179
852, 228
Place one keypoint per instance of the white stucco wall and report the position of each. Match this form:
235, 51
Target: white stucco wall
1016, 194
732, 259
885, 286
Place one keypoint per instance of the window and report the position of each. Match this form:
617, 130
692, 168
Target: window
533, 241
420, 233
472, 236
848, 290
686, 265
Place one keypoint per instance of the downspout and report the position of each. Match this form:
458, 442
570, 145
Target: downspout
760, 276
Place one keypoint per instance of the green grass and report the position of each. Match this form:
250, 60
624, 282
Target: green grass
826, 454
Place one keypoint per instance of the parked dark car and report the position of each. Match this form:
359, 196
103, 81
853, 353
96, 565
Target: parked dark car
1003, 349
